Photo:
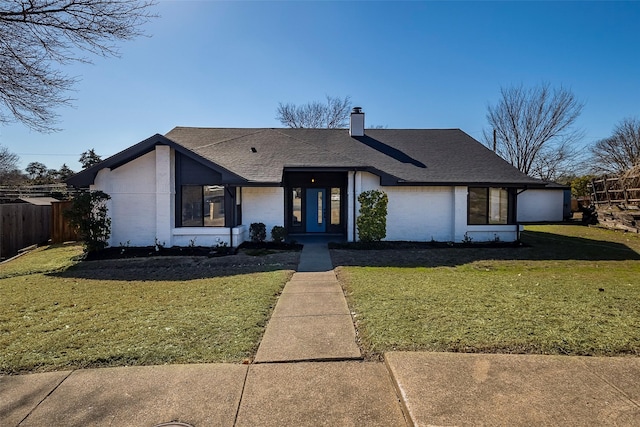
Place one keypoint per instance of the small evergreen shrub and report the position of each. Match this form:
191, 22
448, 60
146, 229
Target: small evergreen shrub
278, 234
258, 232
372, 221
88, 214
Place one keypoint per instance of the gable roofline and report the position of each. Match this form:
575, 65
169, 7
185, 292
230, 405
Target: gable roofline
87, 177
392, 155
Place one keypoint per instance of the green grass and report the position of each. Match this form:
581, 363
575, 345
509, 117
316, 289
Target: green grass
48, 259
54, 315
573, 290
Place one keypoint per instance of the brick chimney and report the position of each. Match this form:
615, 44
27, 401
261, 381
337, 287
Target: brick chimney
356, 124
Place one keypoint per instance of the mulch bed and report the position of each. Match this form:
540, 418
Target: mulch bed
125, 252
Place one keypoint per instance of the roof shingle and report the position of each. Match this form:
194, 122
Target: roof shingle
403, 156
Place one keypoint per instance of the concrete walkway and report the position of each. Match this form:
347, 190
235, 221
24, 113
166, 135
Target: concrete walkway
311, 322
308, 371
328, 384
315, 255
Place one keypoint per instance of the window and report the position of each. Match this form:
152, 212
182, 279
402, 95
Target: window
335, 206
297, 207
203, 206
488, 206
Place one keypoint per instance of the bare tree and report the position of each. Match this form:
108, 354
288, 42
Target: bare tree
37, 35
8, 160
557, 162
533, 129
621, 151
9, 172
332, 115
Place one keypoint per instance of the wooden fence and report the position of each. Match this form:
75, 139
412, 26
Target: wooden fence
61, 231
624, 189
10, 193
22, 225
617, 201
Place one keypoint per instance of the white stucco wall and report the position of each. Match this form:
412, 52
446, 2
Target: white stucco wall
132, 207
262, 204
541, 205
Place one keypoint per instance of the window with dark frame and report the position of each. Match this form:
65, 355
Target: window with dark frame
296, 219
488, 205
203, 206
335, 206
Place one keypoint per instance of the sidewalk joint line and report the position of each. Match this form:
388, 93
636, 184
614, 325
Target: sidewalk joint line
45, 398
612, 385
244, 384
311, 315
312, 360
400, 395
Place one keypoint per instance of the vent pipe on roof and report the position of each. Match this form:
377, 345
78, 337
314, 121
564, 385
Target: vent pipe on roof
356, 124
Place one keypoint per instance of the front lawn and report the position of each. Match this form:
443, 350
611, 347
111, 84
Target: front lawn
57, 314
571, 290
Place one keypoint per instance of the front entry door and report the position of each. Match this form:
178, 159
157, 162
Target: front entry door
316, 205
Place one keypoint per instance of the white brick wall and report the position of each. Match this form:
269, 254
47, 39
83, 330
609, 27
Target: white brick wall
165, 197
425, 213
420, 213
209, 236
132, 207
491, 233
263, 204
541, 205
415, 213
142, 208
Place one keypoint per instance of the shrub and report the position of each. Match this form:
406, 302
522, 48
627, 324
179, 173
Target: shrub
278, 234
88, 214
257, 232
372, 221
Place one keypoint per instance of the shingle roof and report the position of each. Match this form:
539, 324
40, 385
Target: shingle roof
399, 156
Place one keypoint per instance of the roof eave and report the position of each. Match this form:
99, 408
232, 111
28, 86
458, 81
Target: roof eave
87, 177
466, 184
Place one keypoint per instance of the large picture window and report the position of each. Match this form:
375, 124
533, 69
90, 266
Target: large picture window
488, 205
203, 206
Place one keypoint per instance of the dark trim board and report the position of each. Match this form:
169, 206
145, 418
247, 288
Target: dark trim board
87, 177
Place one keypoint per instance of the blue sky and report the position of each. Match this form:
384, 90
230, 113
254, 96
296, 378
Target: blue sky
408, 64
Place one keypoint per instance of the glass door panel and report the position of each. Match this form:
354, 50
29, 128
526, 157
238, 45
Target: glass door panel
315, 210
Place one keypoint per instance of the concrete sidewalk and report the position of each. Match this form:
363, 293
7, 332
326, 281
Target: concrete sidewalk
436, 389
308, 372
447, 389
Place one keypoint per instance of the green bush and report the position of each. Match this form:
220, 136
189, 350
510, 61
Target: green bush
278, 234
257, 232
88, 214
372, 221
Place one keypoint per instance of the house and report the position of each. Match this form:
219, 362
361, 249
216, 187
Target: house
205, 186
549, 204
